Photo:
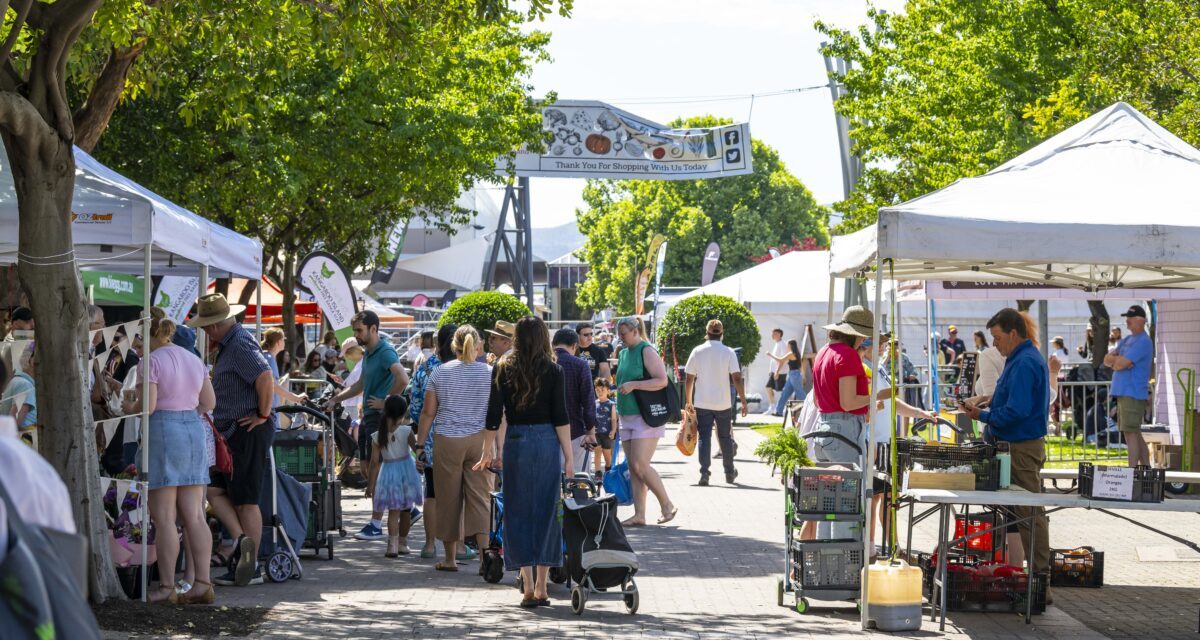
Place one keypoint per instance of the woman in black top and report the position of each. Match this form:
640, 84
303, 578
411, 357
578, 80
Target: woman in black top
529, 395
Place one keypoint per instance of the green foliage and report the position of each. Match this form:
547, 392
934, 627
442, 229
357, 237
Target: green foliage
685, 323
746, 214
952, 88
785, 450
337, 147
481, 309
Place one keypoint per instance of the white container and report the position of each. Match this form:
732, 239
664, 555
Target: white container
894, 595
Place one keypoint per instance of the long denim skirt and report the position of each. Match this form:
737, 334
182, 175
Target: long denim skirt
532, 490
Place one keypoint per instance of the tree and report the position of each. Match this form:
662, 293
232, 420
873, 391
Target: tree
952, 88
685, 327
343, 152
746, 214
52, 55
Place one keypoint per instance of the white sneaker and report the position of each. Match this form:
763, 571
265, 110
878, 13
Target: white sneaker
402, 547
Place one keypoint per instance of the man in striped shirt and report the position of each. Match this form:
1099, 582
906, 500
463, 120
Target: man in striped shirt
245, 390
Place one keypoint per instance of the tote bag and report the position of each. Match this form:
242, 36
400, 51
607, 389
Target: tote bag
685, 440
616, 480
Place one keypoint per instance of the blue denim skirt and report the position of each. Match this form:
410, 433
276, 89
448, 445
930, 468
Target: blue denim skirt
178, 449
532, 490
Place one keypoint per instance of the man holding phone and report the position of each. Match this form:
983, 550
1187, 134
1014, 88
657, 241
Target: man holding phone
1018, 413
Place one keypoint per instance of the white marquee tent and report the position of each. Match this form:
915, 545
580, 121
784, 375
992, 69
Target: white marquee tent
114, 219
1108, 203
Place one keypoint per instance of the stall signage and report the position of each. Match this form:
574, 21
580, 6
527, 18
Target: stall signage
1113, 483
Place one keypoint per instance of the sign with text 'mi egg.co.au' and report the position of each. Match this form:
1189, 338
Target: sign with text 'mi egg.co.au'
590, 139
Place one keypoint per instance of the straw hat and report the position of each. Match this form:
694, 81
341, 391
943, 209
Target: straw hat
213, 308
856, 321
503, 329
350, 343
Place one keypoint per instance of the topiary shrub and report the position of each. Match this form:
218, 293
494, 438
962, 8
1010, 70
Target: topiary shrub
482, 309
685, 322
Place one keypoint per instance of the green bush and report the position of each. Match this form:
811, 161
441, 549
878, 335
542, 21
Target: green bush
482, 309
685, 322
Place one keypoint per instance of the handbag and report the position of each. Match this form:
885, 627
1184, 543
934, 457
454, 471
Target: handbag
45, 573
616, 479
224, 459
660, 406
688, 434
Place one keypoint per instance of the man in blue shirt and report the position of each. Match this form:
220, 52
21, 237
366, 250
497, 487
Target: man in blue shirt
1018, 413
382, 376
1130, 361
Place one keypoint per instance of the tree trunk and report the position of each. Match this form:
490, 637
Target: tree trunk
92, 119
43, 169
287, 282
1100, 329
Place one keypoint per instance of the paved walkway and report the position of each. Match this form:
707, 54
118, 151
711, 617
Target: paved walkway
709, 574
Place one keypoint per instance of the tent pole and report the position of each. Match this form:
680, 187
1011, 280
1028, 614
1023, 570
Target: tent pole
201, 337
258, 309
829, 310
143, 473
930, 347
876, 422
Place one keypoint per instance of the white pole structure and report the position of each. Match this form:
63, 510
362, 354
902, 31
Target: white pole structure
930, 348
829, 310
201, 337
258, 309
144, 493
868, 471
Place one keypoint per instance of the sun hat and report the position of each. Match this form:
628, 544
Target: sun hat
350, 343
213, 308
856, 321
504, 329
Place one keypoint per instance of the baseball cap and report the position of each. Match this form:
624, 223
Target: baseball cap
952, 329
1136, 311
22, 314
714, 328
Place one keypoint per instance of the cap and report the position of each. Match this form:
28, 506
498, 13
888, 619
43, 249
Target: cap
22, 314
952, 329
714, 328
1136, 311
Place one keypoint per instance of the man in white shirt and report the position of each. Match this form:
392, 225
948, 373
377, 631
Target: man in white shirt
779, 350
709, 369
33, 485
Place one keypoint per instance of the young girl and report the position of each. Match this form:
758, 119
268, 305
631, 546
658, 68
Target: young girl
397, 487
606, 424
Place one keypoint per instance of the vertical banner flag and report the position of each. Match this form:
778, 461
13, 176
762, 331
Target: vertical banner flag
323, 276
451, 296
175, 296
655, 242
658, 271
390, 253
712, 255
639, 291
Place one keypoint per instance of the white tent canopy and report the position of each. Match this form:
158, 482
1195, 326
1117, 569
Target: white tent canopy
114, 218
1110, 202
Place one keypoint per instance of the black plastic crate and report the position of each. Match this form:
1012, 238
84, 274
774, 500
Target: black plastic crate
967, 592
1148, 483
829, 564
1082, 567
827, 491
940, 456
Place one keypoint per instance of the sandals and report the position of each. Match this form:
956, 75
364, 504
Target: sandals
191, 597
442, 566
171, 598
529, 603
667, 517
219, 560
633, 523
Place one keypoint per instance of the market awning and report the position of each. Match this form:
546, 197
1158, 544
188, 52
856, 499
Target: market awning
1110, 202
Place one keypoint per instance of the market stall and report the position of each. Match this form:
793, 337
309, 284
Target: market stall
1106, 204
119, 226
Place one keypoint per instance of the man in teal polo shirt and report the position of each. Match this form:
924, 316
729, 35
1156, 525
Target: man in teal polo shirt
382, 376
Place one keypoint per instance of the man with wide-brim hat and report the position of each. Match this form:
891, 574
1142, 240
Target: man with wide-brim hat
245, 390
842, 389
500, 337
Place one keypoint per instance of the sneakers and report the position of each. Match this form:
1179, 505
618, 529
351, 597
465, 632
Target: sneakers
730, 478
402, 546
370, 532
414, 515
230, 578
243, 570
393, 542
704, 479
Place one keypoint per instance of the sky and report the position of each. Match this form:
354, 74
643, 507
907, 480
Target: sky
662, 59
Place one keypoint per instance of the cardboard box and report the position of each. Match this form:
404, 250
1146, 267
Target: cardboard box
931, 480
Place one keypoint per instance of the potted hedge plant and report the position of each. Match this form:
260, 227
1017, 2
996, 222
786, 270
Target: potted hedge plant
481, 309
683, 328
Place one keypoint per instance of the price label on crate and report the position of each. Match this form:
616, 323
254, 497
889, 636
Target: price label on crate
1113, 483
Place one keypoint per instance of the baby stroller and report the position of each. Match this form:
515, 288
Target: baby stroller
598, 554
492, 558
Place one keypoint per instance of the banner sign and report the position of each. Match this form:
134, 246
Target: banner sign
658, 271
116, 288
639, 291
390, 253
656, 241
916, 290
590, 139
175, 296
323, 276
712, 256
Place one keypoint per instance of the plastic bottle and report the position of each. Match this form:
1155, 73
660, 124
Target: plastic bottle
894, 595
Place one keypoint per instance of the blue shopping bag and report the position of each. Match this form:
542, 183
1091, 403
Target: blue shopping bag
616, 480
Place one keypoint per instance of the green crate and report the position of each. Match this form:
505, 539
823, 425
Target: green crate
298, 459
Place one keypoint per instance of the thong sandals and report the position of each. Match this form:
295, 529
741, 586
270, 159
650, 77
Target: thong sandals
442, 566
667, 517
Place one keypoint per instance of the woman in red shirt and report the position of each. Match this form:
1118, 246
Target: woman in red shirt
842, 390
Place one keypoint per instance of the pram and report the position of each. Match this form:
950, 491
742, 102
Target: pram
283, 518
599, 556
310, 457
492, 558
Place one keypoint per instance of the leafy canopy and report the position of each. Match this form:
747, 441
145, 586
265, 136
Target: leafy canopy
683, 328
481, 309
952, 88
745, 214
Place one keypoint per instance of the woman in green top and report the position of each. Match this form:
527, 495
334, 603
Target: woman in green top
639, 360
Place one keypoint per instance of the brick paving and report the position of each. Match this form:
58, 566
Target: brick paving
709, 574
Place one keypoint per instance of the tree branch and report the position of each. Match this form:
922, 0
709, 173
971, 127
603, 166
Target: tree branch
93, 117
323, 7
15, 30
